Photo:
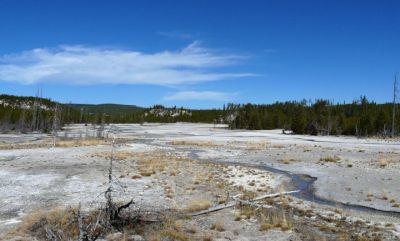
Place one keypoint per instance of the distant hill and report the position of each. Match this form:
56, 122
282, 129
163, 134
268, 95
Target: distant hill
108, 109
25, 102
28, 113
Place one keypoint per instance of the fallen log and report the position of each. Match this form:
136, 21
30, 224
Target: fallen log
248, 202
274, 195
213, 209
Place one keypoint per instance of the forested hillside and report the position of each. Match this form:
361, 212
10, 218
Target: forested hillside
108, 109
361, 117
159, 113
25, 114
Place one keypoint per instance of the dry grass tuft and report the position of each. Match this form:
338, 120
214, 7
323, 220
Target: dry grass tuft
196, 205
173, 234
218, 226
238, 217
370, 196
333, 159
257, 145
81, 142
194, 143
169, 191
287, 161
118, 155
146, 172
265, 227
136, 177
383, 162
385, 195
247, 211
274, 218
33, 224
207, 237
27, 145
159, 162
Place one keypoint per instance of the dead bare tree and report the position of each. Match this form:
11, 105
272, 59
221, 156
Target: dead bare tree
112, 209
101, 129
108, 216
21, 122
55, 125
91, 231
36, 113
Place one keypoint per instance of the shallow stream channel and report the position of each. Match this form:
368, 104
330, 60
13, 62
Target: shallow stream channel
305, 184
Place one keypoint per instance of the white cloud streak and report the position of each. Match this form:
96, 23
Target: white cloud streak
176, 34
89, 66
201, 95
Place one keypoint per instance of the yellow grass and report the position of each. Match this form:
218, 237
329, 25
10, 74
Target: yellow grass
330, 159
275, 219
287, 161
383, 162
27, 145
59, 219
172, 234
81, 142
257, 145
198, 205
206, 143
218, 226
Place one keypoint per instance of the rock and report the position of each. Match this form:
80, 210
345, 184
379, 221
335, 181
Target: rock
136, 238
18, 238
115, 236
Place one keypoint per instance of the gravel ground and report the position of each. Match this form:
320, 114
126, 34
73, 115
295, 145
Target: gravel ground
360, 171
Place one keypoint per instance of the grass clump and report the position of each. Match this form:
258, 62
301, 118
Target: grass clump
64, 221
383, 162
207, 237
274, 218
81, 142
218, 226
333, 159
172, 234
194, 143
196, 205
287, 161
265, 227
257, 145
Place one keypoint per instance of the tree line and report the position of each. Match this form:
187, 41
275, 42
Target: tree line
172, 115
27, 114
361, 117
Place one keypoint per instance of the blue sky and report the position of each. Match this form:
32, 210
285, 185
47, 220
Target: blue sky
199, 54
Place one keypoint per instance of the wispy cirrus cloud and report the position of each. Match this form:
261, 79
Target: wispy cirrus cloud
93, 65
176, 34
202, 95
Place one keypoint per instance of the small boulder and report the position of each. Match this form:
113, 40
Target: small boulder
136, 238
